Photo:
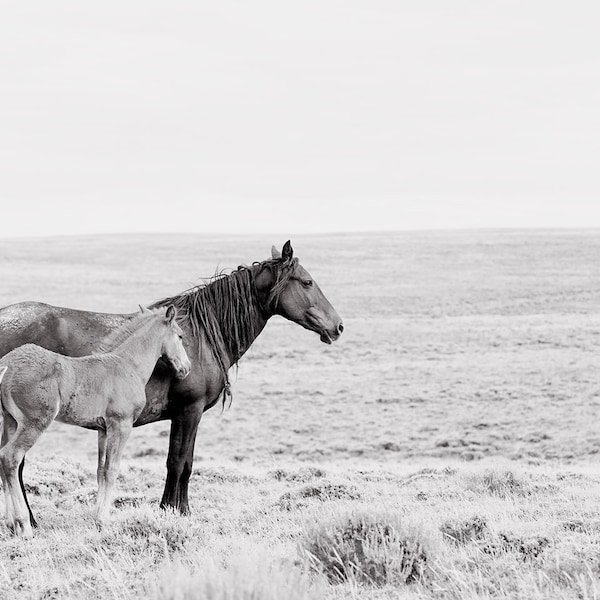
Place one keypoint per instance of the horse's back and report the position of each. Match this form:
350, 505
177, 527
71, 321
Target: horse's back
76, 333
63, 330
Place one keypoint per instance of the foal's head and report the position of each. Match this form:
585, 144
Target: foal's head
172, 349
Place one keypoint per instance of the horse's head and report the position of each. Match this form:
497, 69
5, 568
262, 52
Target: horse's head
291, 292
172, 345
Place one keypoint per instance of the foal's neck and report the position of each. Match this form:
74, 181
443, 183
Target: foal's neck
141, 350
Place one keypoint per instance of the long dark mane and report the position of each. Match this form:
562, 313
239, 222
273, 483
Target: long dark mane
225, 308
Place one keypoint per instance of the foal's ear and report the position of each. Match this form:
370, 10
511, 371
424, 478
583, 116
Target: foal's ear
275, 254
143, 309
170, 314
288, 252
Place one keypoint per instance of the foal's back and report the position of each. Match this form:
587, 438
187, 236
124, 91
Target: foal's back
75, 390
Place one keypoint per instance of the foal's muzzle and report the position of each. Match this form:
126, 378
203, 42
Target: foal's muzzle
181, 369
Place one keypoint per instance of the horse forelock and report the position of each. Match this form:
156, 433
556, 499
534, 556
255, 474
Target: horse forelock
284, 272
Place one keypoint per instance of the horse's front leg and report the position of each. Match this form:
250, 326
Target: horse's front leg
117, 434
184, 426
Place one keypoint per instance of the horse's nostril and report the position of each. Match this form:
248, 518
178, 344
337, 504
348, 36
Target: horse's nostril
340, 328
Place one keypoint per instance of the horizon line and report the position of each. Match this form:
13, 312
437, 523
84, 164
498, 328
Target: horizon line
497, 229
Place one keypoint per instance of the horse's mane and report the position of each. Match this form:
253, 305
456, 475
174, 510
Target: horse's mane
224, 308
119, 335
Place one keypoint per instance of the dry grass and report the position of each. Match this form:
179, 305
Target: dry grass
426, 532
374, 547
454, 417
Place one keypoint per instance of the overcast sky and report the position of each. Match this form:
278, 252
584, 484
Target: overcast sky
287, 117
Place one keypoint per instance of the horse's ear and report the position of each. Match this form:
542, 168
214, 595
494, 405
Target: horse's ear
143, 309
171, 313
288, 252
275, 254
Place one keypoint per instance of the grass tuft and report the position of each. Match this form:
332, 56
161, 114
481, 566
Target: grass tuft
466, 530
303, 475
148, 529
243, 579
324, 491
505, 484
373, 548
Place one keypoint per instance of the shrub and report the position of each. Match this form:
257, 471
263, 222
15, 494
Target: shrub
506, 483
467, 530
366, 547
323, 491
302, 475
145, 530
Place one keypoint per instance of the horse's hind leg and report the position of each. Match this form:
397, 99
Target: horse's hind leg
31, 517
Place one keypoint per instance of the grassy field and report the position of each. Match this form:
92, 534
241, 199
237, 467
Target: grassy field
444, 447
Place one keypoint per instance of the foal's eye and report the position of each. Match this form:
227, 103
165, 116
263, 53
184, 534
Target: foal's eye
307, 282
180, 337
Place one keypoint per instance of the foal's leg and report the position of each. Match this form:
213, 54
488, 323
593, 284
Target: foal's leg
9, 428
101, 471
31, 517
117, 434
11, 455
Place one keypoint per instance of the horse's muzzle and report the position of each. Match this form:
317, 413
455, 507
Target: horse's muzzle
328, 326
328, 336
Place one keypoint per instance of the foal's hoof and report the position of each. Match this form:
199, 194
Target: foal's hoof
101, 521
22, 530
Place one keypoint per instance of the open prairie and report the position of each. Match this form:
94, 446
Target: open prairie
457, 411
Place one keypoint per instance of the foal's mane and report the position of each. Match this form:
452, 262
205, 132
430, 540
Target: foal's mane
225, 308
119, 335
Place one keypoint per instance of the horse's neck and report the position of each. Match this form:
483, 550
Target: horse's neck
142, 351
260, 320
255, 318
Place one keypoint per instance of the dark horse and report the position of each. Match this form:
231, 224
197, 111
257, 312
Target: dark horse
220, 320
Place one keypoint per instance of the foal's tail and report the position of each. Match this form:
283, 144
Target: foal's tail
3, 370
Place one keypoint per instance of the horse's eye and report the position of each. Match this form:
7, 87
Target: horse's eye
307, 282
180, 337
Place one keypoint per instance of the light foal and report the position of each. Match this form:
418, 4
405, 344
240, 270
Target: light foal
104, 391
